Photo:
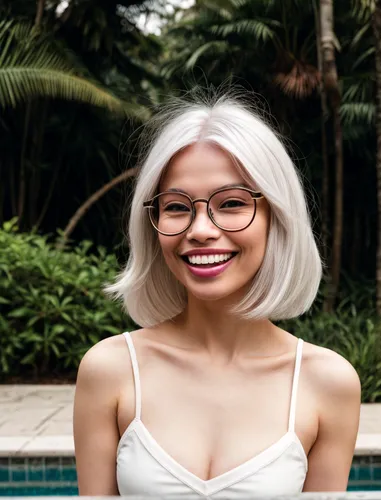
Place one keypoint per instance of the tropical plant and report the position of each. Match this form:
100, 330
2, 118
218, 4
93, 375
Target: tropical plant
229, 35
52, 305
33, 64
86, 57
52, 310
283, 62
376, 18
332, 90
354, 335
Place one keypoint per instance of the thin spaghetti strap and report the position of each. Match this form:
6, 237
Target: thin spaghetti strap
298, 362
135, 369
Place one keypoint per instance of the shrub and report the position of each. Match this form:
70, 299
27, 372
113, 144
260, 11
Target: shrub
355, 335
52, 305
53, 310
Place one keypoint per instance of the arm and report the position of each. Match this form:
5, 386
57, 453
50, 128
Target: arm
330, 458
95, 422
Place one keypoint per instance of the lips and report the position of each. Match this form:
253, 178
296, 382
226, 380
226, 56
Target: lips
199, 263
208, 259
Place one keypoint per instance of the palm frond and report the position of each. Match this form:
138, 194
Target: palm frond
214, 46
359, 35
30, 68
359, 90
363, 57
19, 84
358, 112
224, 8
362, 9
300, 82
261, 30
238, 4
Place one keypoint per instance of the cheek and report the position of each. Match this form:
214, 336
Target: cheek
169, 245
255, 237
261, 228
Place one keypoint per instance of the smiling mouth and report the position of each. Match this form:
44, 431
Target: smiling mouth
210, 260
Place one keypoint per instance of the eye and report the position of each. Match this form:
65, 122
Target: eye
232, 204
176, 207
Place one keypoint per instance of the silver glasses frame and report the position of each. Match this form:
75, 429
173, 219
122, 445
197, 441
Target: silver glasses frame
255, 195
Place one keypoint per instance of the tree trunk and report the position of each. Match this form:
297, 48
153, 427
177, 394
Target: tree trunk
324, 149
90, 201
377, 35
39, 13
23, 161
331, 85
36, 160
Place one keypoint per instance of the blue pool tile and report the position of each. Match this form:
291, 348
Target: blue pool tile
353, 475
52, 474
69, 474
4, 474
18, 474
35, 474
39, 491
377, 473
53, 462
364, 473
68, 461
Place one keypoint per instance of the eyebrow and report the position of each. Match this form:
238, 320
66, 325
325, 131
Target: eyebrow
235, 185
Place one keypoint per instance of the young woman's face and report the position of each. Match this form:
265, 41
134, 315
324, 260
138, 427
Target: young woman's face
233, 257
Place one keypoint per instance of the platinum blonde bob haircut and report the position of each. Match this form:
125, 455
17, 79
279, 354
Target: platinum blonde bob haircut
287, 282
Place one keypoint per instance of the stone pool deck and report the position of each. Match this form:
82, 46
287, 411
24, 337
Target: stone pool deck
36, 420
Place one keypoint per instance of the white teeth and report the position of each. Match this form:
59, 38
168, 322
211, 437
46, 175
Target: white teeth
208, 259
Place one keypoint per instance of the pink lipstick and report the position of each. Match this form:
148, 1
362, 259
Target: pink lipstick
209, 272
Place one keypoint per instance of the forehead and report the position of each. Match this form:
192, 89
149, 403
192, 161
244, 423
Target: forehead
201, 167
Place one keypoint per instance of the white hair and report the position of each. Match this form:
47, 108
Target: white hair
288, 279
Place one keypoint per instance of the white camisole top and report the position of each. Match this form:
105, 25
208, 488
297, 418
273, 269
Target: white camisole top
144, 468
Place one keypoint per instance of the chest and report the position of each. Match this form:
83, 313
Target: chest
213, 420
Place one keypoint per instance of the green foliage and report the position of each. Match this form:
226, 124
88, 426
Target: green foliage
59, 79
52, 305
354, 335
32, 64
52, 310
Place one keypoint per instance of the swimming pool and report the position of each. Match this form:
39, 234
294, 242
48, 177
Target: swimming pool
56, 476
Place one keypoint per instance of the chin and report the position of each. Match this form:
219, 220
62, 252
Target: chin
217, 293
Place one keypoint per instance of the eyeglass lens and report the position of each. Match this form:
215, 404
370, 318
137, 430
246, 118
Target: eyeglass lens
232, 209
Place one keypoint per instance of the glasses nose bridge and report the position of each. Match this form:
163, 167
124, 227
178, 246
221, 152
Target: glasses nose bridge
209, 212
200, 200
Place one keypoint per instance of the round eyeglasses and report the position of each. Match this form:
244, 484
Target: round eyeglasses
230, 209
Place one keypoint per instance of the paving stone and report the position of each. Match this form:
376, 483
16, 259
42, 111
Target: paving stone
59, 446
56, 427
368, 444
12, 445
38, 419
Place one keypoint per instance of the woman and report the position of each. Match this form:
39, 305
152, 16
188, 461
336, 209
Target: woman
210, 398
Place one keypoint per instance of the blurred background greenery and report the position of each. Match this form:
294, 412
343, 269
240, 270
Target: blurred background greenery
79, 78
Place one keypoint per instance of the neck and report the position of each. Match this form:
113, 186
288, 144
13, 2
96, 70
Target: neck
210, 326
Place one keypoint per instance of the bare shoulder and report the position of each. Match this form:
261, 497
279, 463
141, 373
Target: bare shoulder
329, 373
105, 363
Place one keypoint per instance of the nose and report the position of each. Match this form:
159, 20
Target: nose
202, 228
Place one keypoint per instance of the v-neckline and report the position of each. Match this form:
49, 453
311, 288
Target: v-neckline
222, 481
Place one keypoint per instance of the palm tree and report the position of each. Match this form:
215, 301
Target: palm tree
331, 85
79, 57
265, 37
33, 65
376, 22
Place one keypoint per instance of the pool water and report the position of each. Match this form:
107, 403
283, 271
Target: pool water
56, 476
